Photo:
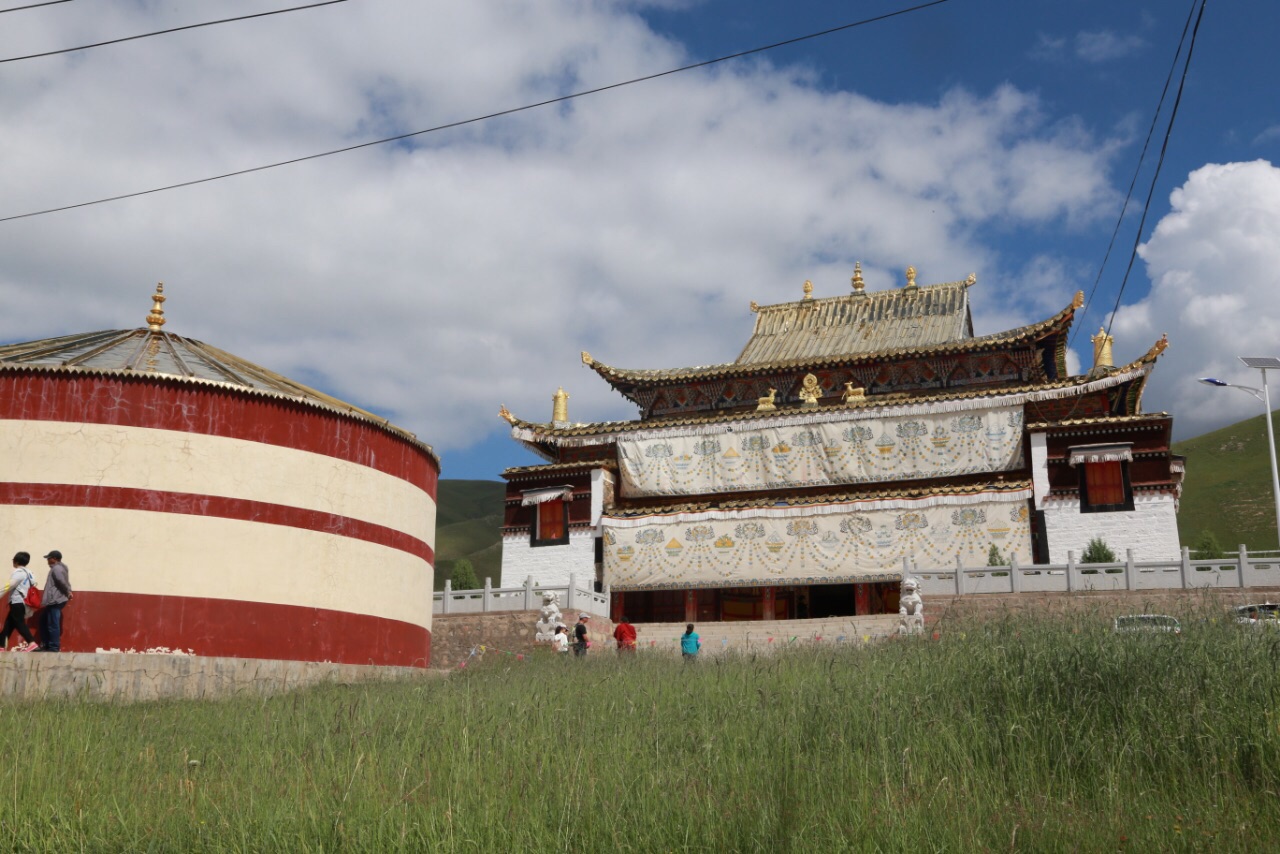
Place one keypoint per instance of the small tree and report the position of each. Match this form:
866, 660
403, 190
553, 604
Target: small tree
994, 558
1207, 547
1098, 552
464, 575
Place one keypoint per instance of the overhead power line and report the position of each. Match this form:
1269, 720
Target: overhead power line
1124, 209
33, 6
166, 32
486, 117
1164, 146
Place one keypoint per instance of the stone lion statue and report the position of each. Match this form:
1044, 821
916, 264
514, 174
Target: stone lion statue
910, 609
548, 616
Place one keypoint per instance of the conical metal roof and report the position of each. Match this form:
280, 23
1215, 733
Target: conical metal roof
150, 351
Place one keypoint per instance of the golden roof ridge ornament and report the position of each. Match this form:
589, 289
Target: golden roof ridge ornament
911, 280
859, 286
1102, 359
808, 289
1078, 300
560, 406
1157, 348
156, 318
587, 360
505, 414
755, 306
971, 280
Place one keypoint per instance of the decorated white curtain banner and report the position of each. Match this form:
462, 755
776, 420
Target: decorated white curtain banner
851, 451
551, 493
838, 545
1101, 454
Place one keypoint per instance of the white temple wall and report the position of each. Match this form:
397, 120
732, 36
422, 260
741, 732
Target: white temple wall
549, 565
1150, 529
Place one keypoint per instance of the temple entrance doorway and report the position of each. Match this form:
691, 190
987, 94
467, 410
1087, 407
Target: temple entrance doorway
748, 604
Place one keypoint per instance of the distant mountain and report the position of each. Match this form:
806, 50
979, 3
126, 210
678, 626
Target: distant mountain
1228, 486
469, 525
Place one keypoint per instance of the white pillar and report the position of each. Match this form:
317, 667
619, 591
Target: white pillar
1071, 570
1130, 571
448, 594
1186, 566
1015, 582
1242, 559
528, 593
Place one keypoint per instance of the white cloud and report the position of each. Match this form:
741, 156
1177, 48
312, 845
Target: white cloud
1106, 45
1270, 134
1213, 261
435, 280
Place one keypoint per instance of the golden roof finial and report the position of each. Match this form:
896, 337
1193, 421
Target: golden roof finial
156, 318
755, 306
971, 280
859, 286
506, 414
1157, 348
586, 359
911, 279
1078, 299
808, 289
560, 406
1102, 349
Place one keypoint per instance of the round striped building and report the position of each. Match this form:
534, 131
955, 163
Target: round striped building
205, 503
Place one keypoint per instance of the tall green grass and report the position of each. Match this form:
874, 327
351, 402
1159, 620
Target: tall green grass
1039, 736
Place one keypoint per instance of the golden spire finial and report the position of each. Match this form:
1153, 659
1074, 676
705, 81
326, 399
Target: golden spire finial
859, 286
1102, 349
911, 279
560, 406
808, 289
156, 318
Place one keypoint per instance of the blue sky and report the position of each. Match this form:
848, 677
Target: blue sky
434, 280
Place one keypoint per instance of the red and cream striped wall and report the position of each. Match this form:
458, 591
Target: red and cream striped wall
203, 516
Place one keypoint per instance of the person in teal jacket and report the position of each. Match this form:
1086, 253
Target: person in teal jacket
690, 643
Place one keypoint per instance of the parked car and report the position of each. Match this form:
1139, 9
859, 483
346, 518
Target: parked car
1148, 623
1258, 615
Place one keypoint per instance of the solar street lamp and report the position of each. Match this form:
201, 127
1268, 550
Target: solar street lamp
1264, 364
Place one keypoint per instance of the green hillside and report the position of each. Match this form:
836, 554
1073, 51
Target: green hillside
469, 525
1228, 486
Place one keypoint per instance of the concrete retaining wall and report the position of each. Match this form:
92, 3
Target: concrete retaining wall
137, 677
453, 636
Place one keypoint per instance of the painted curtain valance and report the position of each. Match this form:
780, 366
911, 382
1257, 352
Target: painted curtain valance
830, 544
823, 454
539, 496
1114, 453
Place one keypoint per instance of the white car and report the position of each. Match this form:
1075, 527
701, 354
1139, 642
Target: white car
1265, 614
1148, 623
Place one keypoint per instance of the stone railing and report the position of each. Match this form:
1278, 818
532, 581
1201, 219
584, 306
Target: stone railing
1238, 571
575, 596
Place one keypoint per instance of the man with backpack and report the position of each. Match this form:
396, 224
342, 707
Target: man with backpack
19, 583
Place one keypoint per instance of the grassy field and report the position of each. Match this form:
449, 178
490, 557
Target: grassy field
1228, 486
469, 525
1000, 736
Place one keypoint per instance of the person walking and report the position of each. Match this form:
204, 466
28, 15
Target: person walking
581, 643
625, 634
57, 593
690, 643
560, 640
19, 583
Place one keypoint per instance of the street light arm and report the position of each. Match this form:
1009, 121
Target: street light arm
1213, 381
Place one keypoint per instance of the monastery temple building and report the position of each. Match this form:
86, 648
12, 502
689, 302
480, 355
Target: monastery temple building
205, 503
852, 435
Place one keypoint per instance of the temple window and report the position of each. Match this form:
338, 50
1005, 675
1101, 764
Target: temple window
1104, 477
551, 515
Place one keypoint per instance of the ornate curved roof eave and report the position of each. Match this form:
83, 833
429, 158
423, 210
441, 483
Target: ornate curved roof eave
625, 380
318, 400
536, 435
989, 487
